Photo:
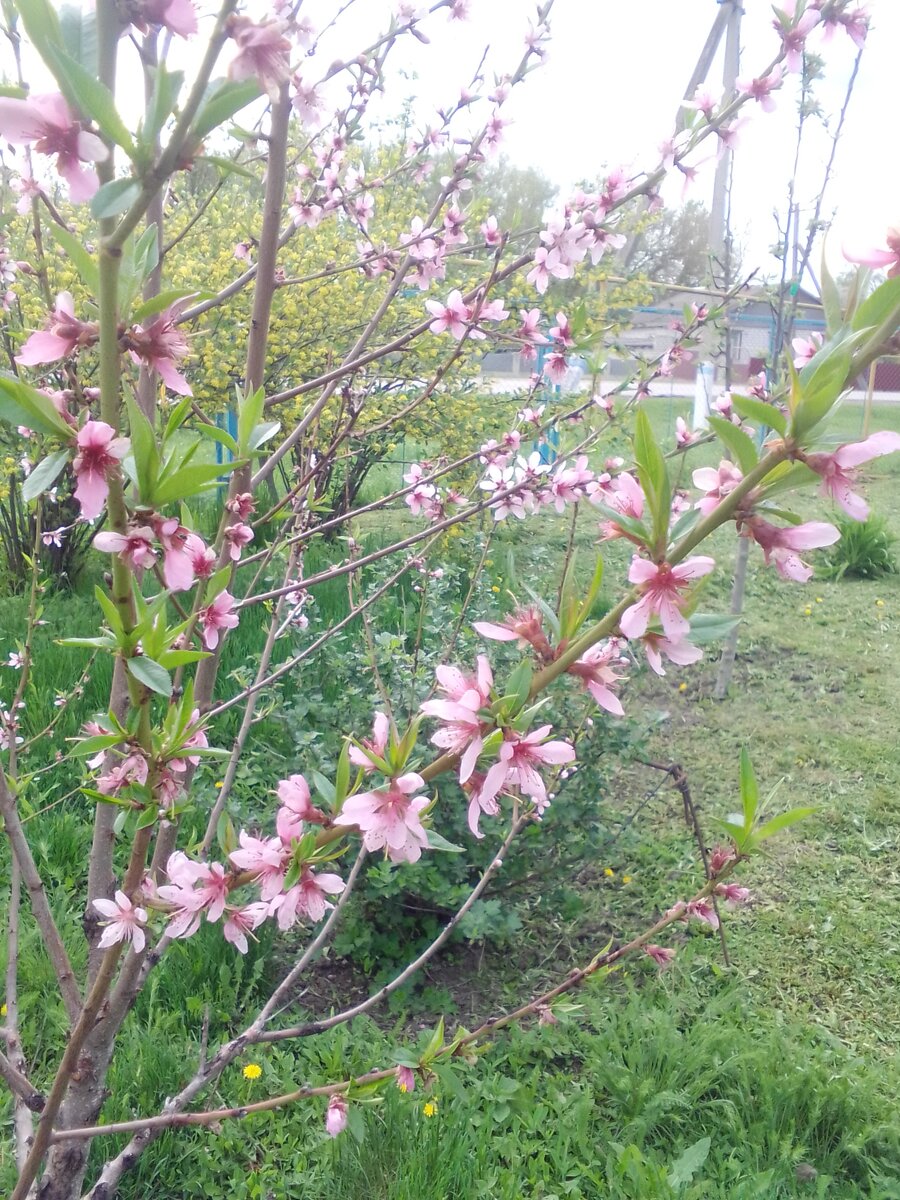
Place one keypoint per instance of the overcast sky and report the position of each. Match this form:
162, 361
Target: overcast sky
614, 76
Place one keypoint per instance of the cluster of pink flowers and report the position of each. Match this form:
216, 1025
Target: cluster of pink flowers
426, 499
460, 318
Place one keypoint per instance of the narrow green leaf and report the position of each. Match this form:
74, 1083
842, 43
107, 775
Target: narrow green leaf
749, 790
653, 475
158, 304
166, 87
115, 197
110, 612
189, 481
820, 384
151, 675
177, 416
782, 821
741, 447
84, 263
21, 404
227, 166
143, 449
78, 28
324, 787
44, 475
250, 409
90, 745
222, 436
436, 842
831, 299
686, 1167
765, 415
224, 98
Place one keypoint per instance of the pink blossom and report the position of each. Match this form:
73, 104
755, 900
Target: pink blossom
131, 769
161, 346
657, 646
376, 745
123, 923
98, 457
406, 1079
46, 123
661, 588
794, 38
623, 494
568, 483
683, 435
178, 568
134, 547
265, 859
463, 728
720, 858
63, 334
263, 53
241, 505
178, 16
780, 545
661, 955
217, 616
451, 317
520, 756
702, 910
594, 668
524, 626
296, 807
732, 894
479, 802
761, 89
237, 536
336, 1116
390, 818
241, 921
556, 366
529, 331
562, 330
307, 897
703, 101
837, 469
491, 232
717, 483
806, 349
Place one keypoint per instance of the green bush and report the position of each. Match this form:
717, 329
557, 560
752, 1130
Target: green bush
865, 550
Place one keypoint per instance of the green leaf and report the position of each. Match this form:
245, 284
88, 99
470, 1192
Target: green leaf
180, 658
227, 166
44, 475
782, 822
158, 304
11, 92
110, 612
90, 745
166, 87
820, 383
250, 410
84, 263
765, 415
630, 525
115, 197
707, 628
147, 816
749, 791
143, 449
189, 481
222, 436
342, 776
685, 1168
831, 299
41, 24
223, 100
151, 675
21, 404
436, 842
262, 433
519, 684
217, 583
91, 96
146, 252
324, 787
78, 28
740, 446
654, 476
177, 417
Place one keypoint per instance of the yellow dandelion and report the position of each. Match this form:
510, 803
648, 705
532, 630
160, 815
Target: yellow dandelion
495, 589
879, 604
819, 600
430, 1109
807, 612
252, 1071
2, 1010
608, 872
220, 783
626, 879
682, 687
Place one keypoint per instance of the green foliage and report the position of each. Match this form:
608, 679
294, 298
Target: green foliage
865, 550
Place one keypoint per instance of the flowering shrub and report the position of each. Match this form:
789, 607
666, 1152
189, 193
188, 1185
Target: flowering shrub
174, 598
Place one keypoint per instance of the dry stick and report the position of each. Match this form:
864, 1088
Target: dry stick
680, 781
573, 980
53, 943
26, 1099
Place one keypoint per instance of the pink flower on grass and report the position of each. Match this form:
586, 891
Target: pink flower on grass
837, 473
781, 544
135, 548
123, 922
308, 897
216, 617
336, 1116
662, 587
376, 745
806, 349
717, 483
661, 955
99, 455
237, 536
160, 345
263, 53
463, 729
241, 921
733, 894
46, 123
520, 756
657, 646
452, 317
63, 334
702, 910
296, 807
390, 818
594, 669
